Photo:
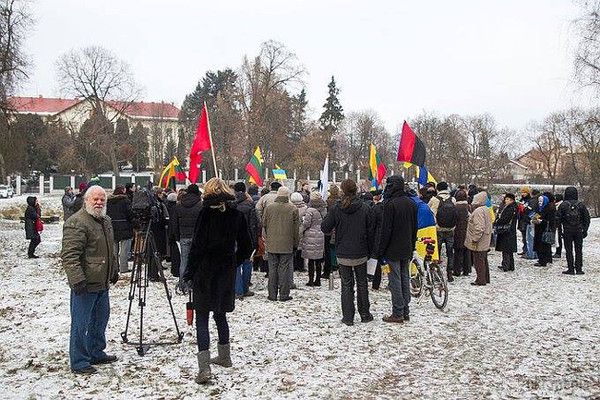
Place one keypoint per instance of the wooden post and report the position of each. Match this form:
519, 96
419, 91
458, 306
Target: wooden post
18, 185
235, 174
72, 182
203, 176
51, 179
114, 181
41, 184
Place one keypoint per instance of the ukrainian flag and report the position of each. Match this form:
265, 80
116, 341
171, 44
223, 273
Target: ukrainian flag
425, 228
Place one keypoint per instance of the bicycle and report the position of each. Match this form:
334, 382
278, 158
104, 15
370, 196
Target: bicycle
427, 275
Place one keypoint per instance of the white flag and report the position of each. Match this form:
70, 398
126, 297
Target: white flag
325, 179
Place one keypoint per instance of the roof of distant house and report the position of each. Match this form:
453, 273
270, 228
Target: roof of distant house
50, 106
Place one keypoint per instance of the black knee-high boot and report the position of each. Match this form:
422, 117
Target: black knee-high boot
311, 273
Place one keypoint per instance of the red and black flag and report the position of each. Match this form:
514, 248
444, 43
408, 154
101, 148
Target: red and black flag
411, 148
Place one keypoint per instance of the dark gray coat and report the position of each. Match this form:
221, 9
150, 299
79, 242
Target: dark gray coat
507, 241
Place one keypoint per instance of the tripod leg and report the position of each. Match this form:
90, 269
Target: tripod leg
132, 285
162, 278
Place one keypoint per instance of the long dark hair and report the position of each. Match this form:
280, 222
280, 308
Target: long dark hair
349, 190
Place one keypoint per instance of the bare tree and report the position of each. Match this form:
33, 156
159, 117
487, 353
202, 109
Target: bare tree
548, 144
264, 84
587, 54
106, 83
15, 20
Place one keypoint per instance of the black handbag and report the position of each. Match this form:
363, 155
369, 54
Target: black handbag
502, 229
548, 236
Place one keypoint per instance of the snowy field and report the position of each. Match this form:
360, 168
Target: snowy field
533, 333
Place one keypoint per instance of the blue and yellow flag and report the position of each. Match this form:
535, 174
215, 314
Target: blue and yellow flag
425, 228
279, 173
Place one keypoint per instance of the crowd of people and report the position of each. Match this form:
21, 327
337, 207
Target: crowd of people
216, 235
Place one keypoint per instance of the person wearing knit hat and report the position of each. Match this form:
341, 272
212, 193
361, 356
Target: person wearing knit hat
312, 239
522, 218
281, 225
462, 256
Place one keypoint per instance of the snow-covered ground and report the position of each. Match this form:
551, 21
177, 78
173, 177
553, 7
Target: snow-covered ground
533, 333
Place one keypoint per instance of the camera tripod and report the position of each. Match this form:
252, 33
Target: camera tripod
144, 252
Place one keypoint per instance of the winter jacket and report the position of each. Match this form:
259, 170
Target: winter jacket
523, 217
507, 241
243, 203
68, 201
281, 225
171, 205
302, 207
571, 199
186, 214
265, 201
88, 251
353, 229
462, 219
399, 226
31, 215
118, 208
547, 218
479, 227
434, 204
78, 203
221, 242
312, 239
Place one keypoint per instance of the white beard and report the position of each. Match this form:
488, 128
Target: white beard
95, 212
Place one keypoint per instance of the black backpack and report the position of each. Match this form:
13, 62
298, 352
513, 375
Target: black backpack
446, 213
572, 216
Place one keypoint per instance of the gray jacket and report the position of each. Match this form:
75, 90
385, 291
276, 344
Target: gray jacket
312, 239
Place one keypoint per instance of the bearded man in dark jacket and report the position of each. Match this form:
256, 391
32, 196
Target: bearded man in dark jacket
396, 244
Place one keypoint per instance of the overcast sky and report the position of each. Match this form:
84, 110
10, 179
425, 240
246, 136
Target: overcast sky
510, 58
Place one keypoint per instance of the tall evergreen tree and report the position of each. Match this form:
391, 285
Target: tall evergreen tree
331, 118
298, 108
170, 151
333, 113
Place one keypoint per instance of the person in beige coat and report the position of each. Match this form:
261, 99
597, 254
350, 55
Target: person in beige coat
478, 238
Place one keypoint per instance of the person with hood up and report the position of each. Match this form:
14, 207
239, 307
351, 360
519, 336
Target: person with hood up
281, 227
243, 203
479, 236
544, 221
220, 243
574, 217
118, 208
68, 201
297, 200
506, 231
351, 219
443, 208
312, 239
79, 197
396, 244
184, 223
462, 256
32, 225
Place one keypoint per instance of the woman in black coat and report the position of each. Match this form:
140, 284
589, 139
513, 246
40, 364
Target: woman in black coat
506, 230
118, 208
32, 214
545, 222
221, 242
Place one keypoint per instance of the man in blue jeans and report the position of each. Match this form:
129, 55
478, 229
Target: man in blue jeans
90, 264
396, 243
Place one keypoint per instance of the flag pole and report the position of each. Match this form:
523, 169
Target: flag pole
212, 148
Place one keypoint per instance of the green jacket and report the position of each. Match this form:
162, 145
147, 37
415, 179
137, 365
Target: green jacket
88, 251
281, 224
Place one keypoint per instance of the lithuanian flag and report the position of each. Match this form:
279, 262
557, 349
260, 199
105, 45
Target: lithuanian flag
173, 170
255, 168
376, 168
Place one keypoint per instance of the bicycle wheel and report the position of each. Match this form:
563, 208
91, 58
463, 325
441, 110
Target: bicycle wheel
439, 287
416, 279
